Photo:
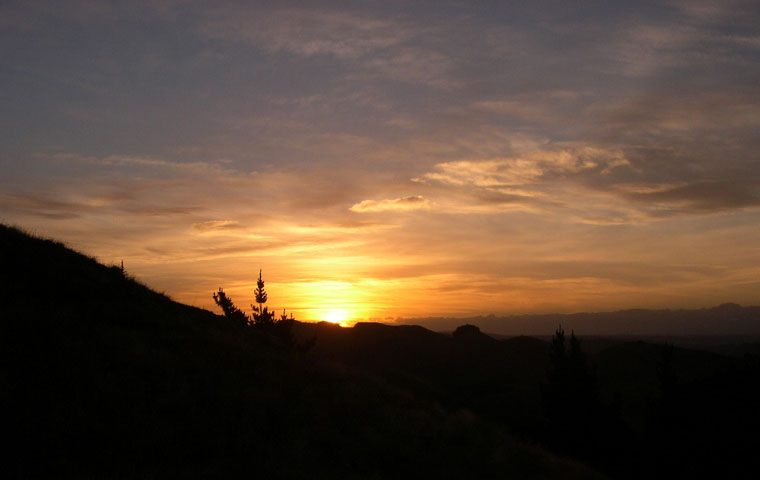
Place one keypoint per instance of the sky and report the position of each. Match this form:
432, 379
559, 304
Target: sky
385, 160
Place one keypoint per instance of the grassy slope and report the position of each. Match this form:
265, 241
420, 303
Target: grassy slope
103, 377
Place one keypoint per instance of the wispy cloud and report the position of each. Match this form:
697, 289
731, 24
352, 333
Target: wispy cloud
541, 180
700, 197
40, 206
367, 44
416, 202
215, 225
308, 32
589, 184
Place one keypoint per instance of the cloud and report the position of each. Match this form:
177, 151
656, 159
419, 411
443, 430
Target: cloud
216, 225
699, 197
397, 204
695, 115
596, 185
150, 210
308, 32
40, 206
527, 169
369, 45
416, 65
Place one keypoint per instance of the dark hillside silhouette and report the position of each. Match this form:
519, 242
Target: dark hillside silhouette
606, 401
103, 378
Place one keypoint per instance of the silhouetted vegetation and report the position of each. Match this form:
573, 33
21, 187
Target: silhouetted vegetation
579, 424
230, 310
262, 318
261, 314
570, 396
103, 378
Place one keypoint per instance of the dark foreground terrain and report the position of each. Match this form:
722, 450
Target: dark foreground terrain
103, 378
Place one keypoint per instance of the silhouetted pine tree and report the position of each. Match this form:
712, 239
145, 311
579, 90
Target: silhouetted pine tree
229, 308
569, 396
261, 314
557, 357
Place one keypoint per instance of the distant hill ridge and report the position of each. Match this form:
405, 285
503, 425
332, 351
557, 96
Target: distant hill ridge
725, 319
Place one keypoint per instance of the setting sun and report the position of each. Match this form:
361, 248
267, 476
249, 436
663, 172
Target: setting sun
336, 316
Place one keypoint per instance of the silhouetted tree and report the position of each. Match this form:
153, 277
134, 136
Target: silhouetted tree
569, 395
557, 356
230, 310
261, 314
579, 423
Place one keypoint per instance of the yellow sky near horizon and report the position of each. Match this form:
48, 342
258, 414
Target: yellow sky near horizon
366, 277
436, 160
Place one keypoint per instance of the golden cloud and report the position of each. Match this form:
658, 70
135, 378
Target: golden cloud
416, 202
214, 225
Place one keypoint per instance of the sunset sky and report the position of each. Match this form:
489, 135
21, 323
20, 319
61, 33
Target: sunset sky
393, 159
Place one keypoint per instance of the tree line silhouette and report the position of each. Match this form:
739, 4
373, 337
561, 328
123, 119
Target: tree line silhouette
261, 316
579, 423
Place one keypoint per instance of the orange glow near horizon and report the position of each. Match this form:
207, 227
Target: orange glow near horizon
339, 317
342, 303
412, 177
440, 295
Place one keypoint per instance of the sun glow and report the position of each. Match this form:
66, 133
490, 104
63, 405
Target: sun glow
337, 316
342, 303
